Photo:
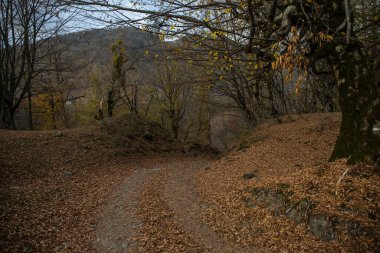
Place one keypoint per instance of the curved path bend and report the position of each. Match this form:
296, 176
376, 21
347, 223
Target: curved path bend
158, 210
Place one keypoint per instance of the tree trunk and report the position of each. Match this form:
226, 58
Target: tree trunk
11, 125
7, 117
175, 127
53, 116
135, 100
2, 114
110, 103
30, 113
359, 99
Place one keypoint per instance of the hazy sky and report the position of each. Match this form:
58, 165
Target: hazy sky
96, 17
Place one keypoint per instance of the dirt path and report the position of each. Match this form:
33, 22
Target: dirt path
183, 198
117, 227
157, 210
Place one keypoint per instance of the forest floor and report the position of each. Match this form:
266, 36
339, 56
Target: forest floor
73, 191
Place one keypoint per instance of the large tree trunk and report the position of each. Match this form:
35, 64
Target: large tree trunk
7, 115
359, 99
7, 120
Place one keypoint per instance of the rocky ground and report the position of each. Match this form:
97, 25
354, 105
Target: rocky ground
75, 191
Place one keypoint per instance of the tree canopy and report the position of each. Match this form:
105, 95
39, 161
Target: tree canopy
266, 35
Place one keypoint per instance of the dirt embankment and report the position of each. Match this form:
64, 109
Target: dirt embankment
278, 190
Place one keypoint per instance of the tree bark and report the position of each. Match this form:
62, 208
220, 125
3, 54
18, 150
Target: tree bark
30, 113
110, 103
7, 112
359, 99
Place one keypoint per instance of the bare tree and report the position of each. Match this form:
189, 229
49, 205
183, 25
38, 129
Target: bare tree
173, 92
25, 26
123, 88
291, 35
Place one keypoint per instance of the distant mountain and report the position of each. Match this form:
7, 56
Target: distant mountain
95, 45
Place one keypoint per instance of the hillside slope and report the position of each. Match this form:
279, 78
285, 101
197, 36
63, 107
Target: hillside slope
95, 45
279, 191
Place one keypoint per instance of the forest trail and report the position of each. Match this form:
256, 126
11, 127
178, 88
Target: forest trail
158, 209
73, 191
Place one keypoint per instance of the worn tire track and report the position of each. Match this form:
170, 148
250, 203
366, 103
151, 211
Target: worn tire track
116, 229
158, 210
183, 198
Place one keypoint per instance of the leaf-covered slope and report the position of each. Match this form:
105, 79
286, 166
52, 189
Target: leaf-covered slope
278, 190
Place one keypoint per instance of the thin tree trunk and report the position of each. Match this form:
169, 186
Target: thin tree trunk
53, 116
30, 113
110, 103
200, 116
135, 99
